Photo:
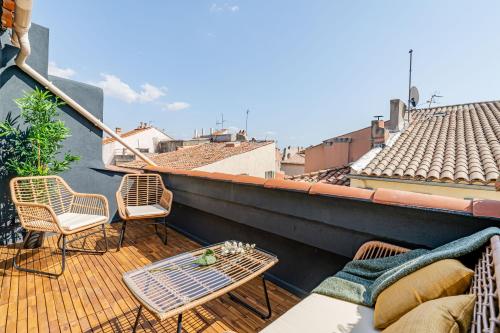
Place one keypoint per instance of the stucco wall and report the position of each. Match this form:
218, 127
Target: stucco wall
449, 191
292, 169
146, 139
333, 154
253, 163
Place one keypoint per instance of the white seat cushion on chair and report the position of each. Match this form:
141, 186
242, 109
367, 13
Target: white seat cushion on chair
322, 314
72, 221
138, 211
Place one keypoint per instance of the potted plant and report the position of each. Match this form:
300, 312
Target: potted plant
34, 149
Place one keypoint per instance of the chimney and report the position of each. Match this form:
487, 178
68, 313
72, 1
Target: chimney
195, 134
379, 133
397, 121
211, 131
118, 130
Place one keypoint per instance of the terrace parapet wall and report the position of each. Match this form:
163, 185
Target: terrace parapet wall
314, 228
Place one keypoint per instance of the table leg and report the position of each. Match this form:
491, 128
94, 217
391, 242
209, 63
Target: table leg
137, 319
179, 323
251, 308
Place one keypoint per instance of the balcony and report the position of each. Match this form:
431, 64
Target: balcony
91, 297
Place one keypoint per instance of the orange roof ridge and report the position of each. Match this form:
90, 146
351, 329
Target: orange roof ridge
455, 105
198, 155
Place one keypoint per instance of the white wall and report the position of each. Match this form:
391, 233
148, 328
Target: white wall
145, 139
253, 163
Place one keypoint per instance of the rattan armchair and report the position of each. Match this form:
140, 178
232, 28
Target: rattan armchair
48, 204
485, 284
140, 197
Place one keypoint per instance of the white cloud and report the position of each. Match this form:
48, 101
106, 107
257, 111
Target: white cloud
115, 87
177, 106
215, 8
61, 72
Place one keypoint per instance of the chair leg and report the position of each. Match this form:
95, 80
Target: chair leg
82, 249
122, 235
166, 230
23, 269
105, 238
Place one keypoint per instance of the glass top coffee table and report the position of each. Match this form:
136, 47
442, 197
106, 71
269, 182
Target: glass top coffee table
171, 286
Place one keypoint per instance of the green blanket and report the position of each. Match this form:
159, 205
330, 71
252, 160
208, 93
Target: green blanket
361, 281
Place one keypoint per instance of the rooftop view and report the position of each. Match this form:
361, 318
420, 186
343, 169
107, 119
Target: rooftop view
249, 167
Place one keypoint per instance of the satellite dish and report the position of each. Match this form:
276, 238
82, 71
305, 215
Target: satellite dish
414, 96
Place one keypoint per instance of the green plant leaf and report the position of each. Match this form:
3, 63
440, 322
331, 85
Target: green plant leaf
35, 150
206, 259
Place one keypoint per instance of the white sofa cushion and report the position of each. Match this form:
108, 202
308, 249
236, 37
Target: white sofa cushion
138, 211
322, 314
72, 221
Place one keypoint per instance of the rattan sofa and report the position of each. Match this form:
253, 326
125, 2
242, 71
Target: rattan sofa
48, 204
322, 314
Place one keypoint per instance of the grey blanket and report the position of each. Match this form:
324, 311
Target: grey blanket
361, 281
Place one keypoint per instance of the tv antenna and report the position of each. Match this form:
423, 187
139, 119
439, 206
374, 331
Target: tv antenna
246, 122
433, 98
378, 117
409, 86
221, 122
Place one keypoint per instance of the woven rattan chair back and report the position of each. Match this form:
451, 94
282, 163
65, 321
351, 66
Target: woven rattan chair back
46, 190
141, 189
484, 283
37, 191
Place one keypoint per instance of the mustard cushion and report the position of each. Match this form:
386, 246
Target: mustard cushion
448, 314
448, 277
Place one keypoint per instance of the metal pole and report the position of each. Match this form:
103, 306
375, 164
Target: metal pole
409, 87
246, 123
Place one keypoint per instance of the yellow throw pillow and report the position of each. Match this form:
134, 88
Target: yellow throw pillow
448, 314
448, 277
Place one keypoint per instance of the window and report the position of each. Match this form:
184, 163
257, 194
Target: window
269, 174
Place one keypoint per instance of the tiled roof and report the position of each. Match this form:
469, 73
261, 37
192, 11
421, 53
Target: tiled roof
334, 176
457, 143
126, 134
193, 157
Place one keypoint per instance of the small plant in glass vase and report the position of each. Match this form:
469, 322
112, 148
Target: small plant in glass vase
233, 247
34, 149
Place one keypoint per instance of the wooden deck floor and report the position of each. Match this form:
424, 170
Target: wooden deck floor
91, 297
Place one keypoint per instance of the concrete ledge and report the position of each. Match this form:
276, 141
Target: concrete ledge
287, 185
341, 191
486, 208
411, 199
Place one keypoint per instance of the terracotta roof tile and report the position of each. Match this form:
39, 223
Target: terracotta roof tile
197, 156
333, 176
126, 134
411, 199
457, 143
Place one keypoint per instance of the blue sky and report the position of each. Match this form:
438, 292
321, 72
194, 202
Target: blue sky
307, 70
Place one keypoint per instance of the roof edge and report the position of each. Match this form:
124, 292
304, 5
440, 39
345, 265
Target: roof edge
481, 208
